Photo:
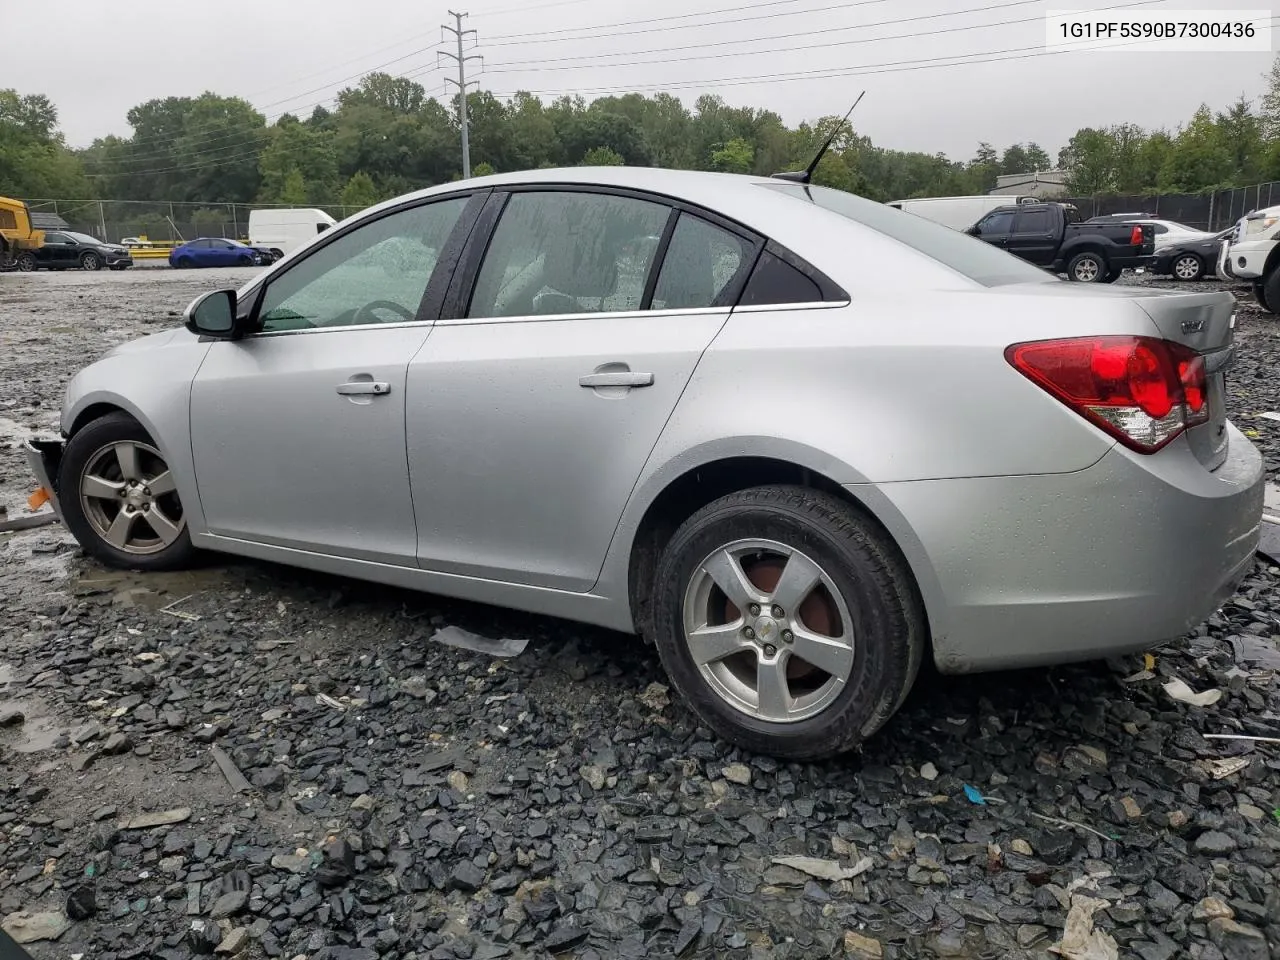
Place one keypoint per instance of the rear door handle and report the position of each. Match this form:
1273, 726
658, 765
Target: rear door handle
622, 378
364, 387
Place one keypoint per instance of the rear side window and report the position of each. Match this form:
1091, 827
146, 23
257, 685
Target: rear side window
1035, 221
968, 256
776, 281
702, 263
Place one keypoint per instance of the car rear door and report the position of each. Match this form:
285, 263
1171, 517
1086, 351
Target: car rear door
1033, 237
572, 328
58, 250
298, 430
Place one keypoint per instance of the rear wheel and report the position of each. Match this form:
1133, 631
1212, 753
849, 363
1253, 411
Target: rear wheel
119, 498
1188, 267
184, 263
787, 621
26, 262
90, 261
1087, 267
1112, 276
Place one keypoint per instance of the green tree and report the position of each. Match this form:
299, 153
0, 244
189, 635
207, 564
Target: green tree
1200, 159
34, 159
1088, 159
359, 192
736, 156
1271, 101
293, 191
1240, 130
601, 157
1037, 160
301, 148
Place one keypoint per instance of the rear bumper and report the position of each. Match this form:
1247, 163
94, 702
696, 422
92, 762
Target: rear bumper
1118, 557
44, 457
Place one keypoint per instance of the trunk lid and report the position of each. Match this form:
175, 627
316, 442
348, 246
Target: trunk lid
1205, 322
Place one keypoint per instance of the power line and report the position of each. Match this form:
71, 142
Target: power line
506, 67
541, 6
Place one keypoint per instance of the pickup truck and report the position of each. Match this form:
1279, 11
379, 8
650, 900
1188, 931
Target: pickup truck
1252, 253
1050, 235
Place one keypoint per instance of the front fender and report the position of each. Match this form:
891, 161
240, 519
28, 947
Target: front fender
154, 387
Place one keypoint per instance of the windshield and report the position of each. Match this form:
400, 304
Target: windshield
968, 256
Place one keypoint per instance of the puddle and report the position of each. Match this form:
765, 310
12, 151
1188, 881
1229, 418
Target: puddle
38, 731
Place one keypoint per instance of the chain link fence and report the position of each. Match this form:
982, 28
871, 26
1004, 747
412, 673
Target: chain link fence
1204, 211
162, 221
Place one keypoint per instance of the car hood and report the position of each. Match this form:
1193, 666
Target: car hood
151, 342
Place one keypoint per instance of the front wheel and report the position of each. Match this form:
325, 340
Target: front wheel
119, 498
1270, 298
787, 621
26, 262
1188, 267
90, 261
1087, 267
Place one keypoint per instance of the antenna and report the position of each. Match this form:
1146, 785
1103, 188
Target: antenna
805, 175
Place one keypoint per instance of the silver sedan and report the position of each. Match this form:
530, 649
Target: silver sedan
797, 439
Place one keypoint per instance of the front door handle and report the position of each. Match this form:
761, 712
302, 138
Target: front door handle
621, 378
364, 387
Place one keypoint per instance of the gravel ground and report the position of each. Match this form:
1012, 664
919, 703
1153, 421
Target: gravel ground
387, 795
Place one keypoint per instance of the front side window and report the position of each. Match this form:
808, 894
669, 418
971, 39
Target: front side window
996, 223
377, 273
701, 264
556, 252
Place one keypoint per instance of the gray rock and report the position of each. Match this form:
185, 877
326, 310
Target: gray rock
229, 904
1238, 941
1214, 843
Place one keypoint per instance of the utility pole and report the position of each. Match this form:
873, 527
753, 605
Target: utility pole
461, 57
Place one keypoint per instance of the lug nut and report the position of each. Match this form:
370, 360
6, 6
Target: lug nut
755, 609
748, 633
777, 613
788, 636
770, 650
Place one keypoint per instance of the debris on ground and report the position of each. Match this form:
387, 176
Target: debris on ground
1178, 690
1080, 940
825, 869
466, 640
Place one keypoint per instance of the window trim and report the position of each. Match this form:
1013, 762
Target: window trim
463, 286
433, 295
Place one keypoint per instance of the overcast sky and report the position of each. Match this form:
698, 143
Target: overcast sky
95, 60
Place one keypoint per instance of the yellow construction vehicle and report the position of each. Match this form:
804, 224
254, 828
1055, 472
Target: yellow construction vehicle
17, 235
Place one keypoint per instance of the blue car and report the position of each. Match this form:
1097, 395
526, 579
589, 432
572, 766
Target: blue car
216, 252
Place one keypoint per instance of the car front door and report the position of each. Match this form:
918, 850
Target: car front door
1033, 237
297, 430
566, 342
994, 229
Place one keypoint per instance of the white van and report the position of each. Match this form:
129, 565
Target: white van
285, 230
958, 213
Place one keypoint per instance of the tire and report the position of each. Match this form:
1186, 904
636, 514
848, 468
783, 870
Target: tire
246, 261
184, 263
864, 590
1260, 294
1187, 267
1087, 267
26, 262
90, 261
276, 254
91, 512
1270, 299
1112, 276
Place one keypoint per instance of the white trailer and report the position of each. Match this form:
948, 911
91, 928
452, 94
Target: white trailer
283, 231
959, 213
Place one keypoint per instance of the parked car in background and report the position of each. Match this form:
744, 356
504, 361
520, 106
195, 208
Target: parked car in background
958, 213
67, 250
1191, 259
215, 252
1253, 253
1051, 235
500, 389
1167, 232
282, 231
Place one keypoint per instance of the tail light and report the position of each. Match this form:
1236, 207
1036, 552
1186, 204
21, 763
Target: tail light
1141, 390
1135, 238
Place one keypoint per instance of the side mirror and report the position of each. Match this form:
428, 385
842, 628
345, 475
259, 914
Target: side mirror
213, 315
972, 231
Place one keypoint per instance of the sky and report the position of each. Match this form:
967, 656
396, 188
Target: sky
289, 55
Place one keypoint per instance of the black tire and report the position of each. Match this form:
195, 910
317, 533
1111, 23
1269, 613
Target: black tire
1270, 299
184, 263
1112, 276
888, 621
1260, 294
276, 254
90, 261
84, 447
1087, 267
1192, 267
246, 261
26, 262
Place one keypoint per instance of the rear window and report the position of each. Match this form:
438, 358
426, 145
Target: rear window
968, 256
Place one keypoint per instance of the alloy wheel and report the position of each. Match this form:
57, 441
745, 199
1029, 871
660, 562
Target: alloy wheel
1087, 271
1186, 268
768, 630
129, 498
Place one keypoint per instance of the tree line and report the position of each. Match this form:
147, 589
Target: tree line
384, 137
